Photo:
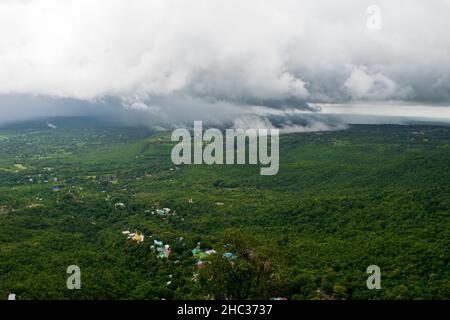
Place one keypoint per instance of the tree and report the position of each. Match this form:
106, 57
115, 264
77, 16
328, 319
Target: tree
250, 274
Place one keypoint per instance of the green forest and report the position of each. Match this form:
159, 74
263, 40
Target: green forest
109, 200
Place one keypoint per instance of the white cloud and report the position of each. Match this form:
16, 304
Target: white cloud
223, 53
363, 84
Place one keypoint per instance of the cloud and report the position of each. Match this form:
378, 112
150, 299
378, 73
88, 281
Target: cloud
173, 59
362, 84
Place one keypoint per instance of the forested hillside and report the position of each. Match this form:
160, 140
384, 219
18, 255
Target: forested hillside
342, 200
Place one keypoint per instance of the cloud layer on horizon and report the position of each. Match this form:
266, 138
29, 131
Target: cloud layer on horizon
217, 54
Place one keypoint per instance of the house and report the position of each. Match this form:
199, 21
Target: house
199, 254
230, 256
109, 178
120, 205
135, 236
138, 237
163, 250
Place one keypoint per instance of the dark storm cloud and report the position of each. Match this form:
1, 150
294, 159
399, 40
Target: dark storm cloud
169, 61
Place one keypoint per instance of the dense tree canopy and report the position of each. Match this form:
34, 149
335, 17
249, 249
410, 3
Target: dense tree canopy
341, 201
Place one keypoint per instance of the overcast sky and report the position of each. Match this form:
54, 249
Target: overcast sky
215, 59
